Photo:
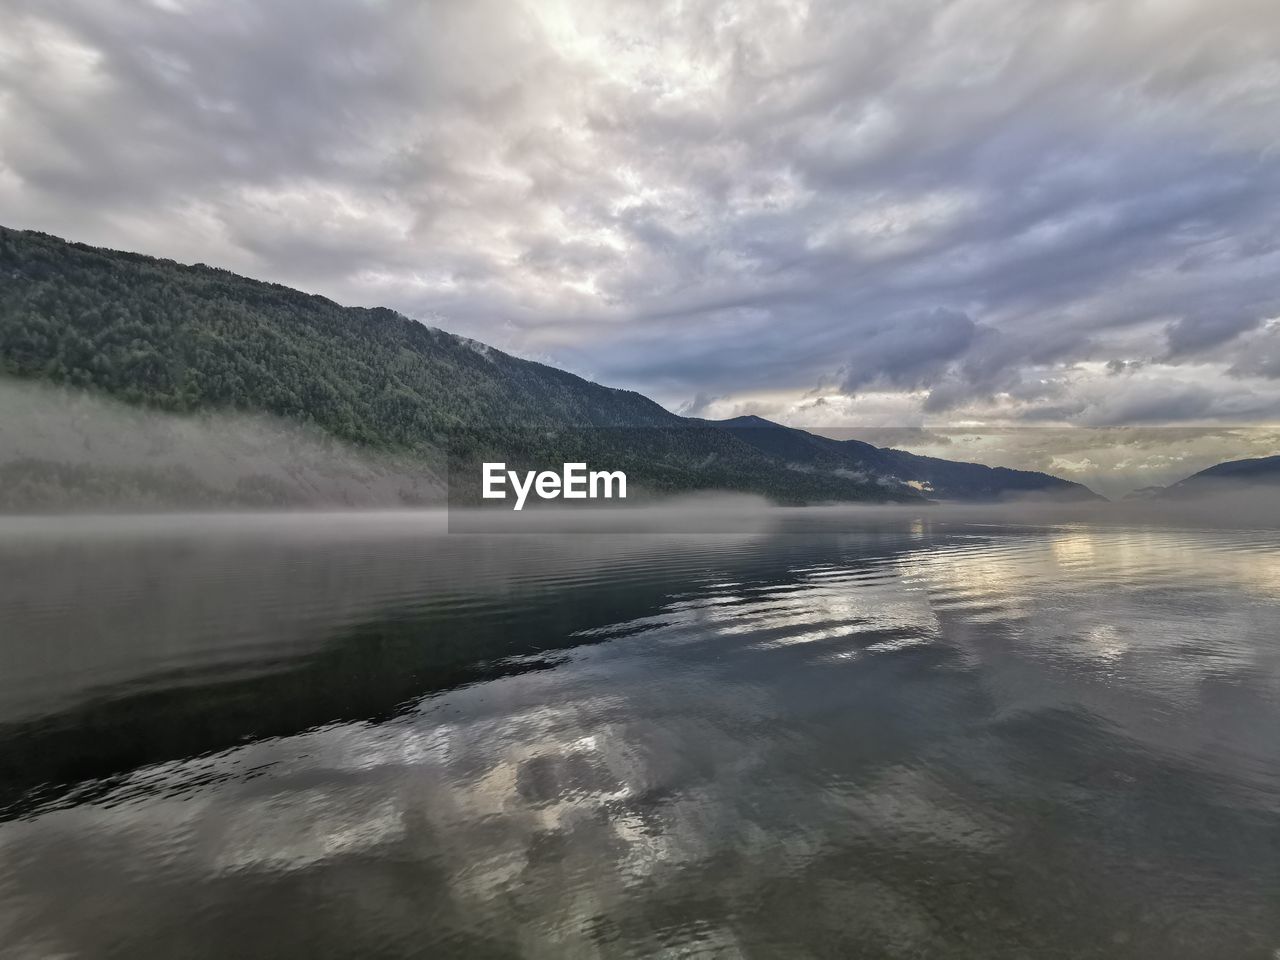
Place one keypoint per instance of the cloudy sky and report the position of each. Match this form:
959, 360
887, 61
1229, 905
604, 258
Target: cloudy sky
899, 213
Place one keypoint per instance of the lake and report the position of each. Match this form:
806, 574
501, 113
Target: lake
841, 734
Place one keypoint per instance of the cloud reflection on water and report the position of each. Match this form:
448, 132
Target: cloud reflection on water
910, 738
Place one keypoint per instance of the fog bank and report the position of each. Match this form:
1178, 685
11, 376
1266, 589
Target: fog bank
62, 449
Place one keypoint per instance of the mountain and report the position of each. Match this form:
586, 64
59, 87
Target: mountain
197, 341
943, 479
1227, 477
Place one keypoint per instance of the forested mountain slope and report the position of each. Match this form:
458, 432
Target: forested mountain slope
186, 338
183, 339
1227, 477
944, 479
195, 339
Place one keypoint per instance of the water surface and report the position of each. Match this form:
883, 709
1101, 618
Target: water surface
355, 736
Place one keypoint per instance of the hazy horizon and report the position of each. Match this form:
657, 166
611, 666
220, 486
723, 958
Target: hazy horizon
51, 423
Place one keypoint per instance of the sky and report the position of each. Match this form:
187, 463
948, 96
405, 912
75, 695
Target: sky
939, 217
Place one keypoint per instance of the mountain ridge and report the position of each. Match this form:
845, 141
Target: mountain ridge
187, 339
934, 476
1227, 476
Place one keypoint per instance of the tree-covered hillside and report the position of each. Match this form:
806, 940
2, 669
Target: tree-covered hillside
186, 338
164, 336
1229, 477
944, 479
197, 339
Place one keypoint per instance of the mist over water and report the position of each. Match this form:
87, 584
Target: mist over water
874, 733
64, 449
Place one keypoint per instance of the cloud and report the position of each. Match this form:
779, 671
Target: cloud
954, 209
908, 351
700, 406
1190, 335
1259, 355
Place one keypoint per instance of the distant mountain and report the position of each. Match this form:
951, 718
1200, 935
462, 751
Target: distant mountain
1224, 477
935, 477
158, 335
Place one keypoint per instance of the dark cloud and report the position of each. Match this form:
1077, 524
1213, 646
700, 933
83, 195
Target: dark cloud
1116, 367
1259, 356
909, 351
1190, 335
